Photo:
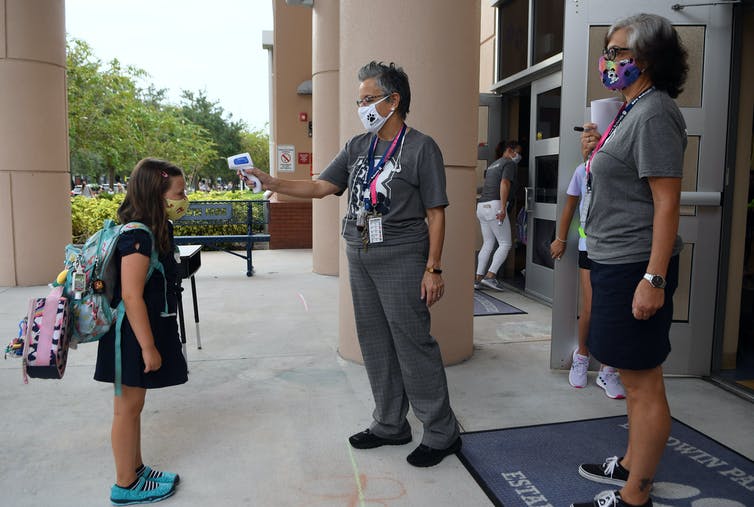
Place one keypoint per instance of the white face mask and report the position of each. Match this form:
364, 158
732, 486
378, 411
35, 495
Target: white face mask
371, 118
516, 158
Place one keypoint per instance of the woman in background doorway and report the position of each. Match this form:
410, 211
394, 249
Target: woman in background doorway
492, 212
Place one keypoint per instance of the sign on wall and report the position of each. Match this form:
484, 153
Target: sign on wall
285, 159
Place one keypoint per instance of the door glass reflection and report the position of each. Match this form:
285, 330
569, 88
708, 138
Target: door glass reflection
546, 179
544, 233
548, 114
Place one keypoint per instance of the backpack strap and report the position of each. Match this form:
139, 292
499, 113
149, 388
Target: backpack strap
154, 263
154, 259
120, 312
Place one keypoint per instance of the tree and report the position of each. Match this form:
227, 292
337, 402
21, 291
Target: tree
257, 144
99, 102
225, 133
113, 123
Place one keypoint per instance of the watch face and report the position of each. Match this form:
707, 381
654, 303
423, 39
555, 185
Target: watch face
658, 281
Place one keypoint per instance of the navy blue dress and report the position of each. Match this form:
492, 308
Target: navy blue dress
164, 328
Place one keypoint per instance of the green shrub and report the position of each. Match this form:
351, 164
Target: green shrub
89, 213
222, 195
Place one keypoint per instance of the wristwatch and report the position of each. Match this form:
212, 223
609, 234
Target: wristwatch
436, 271
656, 281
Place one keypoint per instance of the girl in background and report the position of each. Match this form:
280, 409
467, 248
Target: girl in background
608, 377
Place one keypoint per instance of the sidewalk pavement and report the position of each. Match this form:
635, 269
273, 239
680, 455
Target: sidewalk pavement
269, 405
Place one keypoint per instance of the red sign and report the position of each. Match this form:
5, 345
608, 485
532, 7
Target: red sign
304, 158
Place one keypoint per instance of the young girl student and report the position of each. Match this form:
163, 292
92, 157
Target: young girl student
151, 354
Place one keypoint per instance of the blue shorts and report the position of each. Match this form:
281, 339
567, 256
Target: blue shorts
615, 336
584, 261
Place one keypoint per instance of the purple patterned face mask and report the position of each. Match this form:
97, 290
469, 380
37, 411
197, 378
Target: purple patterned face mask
617, 75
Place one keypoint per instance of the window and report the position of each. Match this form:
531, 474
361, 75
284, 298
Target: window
516, 23
548, 114
513, 31
548, 29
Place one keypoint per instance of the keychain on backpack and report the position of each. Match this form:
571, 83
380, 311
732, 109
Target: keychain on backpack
98, 286
16, 347
79, 283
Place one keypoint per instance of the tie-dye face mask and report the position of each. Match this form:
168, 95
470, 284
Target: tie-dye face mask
617, 75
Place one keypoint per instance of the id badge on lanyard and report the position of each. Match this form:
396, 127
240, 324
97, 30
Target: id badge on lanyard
375, 229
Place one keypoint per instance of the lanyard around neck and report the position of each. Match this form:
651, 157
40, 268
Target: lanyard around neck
370, 182
622, 112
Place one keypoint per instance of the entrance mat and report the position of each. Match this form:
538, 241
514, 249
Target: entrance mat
484, 304
538, 465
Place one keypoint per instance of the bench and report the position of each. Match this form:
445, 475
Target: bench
236, 222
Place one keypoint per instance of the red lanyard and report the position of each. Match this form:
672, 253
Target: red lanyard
622, 112
373, 171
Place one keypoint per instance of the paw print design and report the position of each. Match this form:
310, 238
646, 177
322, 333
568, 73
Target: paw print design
371, 117
673, 494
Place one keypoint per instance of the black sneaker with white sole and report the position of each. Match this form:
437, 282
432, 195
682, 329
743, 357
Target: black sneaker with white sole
609, 472
610, 499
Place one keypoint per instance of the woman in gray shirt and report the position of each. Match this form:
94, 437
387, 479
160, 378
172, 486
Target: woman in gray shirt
634, 186
394, 231
492, 212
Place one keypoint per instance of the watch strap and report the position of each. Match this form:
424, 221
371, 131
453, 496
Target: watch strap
650, 277
436, 271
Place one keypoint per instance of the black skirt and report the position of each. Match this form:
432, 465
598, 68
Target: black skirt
164, 328
616, 338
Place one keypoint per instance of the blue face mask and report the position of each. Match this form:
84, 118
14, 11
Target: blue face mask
618, 75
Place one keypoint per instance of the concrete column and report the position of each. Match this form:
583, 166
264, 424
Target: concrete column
437, 43
326, 135
35, 207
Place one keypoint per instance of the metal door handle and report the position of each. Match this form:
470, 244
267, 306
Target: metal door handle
527, 198
701, 198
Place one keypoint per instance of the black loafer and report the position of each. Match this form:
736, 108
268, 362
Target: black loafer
424, 456
368, 440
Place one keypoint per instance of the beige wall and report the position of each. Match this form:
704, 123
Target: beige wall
291, 65
444, 97
487, 44
326, 140
35, 218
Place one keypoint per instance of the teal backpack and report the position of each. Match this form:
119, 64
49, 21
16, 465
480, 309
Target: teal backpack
90, 278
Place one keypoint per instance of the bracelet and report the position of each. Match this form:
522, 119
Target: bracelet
561, 240
436, 271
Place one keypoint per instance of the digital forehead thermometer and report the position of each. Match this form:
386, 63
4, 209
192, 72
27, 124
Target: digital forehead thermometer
242, 162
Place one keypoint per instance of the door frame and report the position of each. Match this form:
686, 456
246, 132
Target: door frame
539, 278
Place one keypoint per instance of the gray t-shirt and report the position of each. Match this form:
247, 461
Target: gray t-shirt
500, 168
650, 141
409, 183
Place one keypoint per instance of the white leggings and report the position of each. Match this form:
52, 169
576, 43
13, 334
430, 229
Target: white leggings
493, 233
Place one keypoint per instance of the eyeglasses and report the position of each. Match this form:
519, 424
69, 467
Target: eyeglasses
611, 53
369, 99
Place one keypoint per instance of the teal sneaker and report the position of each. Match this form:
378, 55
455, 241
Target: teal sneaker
143, 492
151, 474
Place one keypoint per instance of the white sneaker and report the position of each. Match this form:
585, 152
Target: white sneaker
492, 283
579, 367
609, 380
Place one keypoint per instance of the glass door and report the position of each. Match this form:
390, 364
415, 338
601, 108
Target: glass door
541, 192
